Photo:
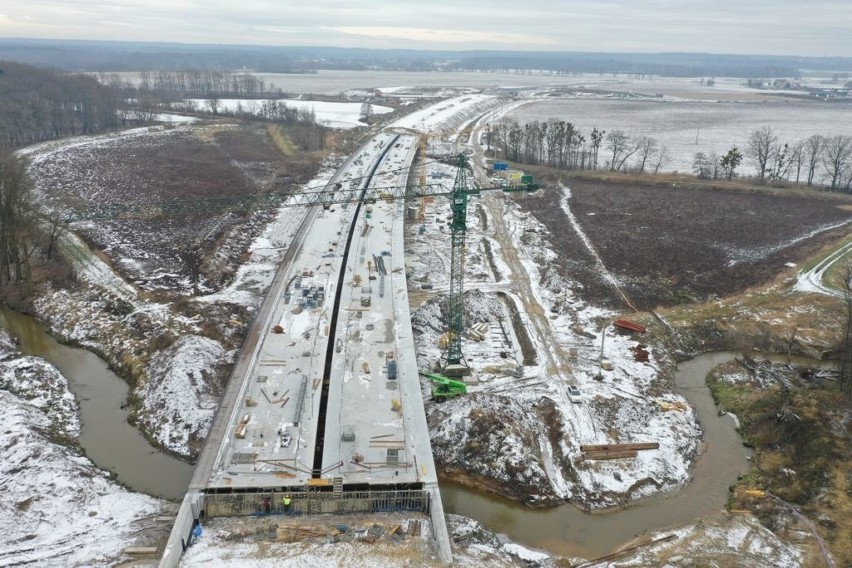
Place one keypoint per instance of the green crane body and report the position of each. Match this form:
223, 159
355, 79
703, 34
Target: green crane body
444, 387
452, 361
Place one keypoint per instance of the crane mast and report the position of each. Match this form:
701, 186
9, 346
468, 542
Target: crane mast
452, 361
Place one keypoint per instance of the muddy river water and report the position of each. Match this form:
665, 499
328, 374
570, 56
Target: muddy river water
107, 438
116, 446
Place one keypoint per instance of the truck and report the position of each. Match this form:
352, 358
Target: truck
444, 387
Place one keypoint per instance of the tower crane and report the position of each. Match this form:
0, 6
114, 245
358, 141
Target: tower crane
452, 360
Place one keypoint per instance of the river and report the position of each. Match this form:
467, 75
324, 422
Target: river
109, 441
112, 444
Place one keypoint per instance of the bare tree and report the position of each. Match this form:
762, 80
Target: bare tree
619, 144
835, 159
213, 104
662, 158
646, 148
814, 147
762, 147
596, 139
706, 166
54, 226
797, 157
781, 163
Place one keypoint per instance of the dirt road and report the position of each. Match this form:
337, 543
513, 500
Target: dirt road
556, 360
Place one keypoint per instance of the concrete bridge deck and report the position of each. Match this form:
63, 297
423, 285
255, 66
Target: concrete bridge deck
325, 398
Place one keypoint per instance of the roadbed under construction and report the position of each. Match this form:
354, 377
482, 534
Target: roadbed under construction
324, 411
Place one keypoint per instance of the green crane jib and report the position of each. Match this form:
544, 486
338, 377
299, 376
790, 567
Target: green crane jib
444, 387
452, 361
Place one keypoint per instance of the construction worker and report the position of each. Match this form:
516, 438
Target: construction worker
286, 503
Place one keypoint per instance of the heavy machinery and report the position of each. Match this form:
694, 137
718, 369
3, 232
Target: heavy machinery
444, 387
452, 361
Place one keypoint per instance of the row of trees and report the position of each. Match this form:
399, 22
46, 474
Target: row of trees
40, 104
201, 83
809, 161
560, 144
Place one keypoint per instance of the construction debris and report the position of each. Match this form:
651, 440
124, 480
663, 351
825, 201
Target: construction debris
630, 325
616, 447
640, 354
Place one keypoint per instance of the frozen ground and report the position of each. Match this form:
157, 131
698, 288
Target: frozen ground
521, 435
56, 508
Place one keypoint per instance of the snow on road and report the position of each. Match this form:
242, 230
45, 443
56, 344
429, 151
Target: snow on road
812, 280
565, 203
451, 113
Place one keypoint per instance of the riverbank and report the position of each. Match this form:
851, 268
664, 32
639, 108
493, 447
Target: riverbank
58, 507
800, 427
100, 396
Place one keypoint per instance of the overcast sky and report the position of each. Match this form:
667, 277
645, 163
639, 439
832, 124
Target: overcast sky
783, 27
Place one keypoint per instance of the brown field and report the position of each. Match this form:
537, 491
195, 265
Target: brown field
667, 244
186, 163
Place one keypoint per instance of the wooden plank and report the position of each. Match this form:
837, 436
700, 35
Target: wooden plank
136, 550
619, 447
611, 455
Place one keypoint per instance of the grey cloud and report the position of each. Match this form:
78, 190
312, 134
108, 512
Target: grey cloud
822, 27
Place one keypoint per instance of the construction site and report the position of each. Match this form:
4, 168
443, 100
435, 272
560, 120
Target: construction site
324, 414
427, 313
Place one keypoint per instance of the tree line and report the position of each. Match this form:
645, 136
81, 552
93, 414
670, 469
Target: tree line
199, 83
560, 144
40, 104
25, 231
302, 127
813, 160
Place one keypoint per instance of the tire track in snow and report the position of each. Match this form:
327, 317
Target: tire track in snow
566, 196
812, 280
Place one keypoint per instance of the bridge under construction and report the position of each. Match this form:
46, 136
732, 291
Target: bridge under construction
324, 410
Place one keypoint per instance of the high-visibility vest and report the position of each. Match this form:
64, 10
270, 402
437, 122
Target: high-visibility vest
286, 501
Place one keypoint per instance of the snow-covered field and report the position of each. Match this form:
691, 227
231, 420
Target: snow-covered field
57, 508
336, 115
688, 127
